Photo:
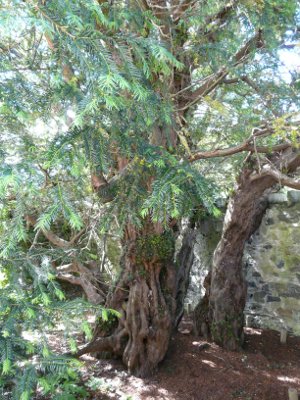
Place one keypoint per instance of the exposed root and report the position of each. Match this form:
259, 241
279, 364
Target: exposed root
145, 299
109, 344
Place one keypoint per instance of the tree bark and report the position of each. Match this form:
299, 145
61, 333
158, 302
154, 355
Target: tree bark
87, 276
145, 298
227, 292
220, 313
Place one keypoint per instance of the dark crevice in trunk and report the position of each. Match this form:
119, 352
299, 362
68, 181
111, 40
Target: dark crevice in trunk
185, 259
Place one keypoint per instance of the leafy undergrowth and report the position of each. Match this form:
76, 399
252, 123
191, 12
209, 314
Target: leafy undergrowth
191, 371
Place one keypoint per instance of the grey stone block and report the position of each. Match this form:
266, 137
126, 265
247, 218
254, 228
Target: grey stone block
293, 196
271, 299
277, 198
292, 291
280, 264
268, 246
259, 296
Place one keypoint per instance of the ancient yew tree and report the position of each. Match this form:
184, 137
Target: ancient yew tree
141, 93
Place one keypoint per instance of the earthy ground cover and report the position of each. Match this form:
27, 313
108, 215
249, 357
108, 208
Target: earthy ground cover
191, 371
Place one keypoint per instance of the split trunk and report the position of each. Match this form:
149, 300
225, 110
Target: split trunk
145, 299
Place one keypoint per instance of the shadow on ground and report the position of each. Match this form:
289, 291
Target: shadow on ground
191, 371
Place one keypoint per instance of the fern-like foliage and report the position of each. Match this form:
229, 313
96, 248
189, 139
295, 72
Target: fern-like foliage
123, 92
30, 307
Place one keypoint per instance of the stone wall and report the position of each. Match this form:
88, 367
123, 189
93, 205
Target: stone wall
207, 237
271, 265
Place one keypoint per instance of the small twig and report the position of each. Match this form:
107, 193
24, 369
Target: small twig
35, 239
256, 154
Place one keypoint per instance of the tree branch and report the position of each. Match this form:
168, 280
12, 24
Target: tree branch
212, 82
238, 149
247, 145
52, 237
279, 177
221, 16
56, 240
69, 278
182, 7
98, 345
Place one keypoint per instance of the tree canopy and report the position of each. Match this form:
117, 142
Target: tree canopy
118, 115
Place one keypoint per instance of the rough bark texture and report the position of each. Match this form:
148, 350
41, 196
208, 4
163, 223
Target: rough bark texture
220, 313
87, 276
228, 288
145, 298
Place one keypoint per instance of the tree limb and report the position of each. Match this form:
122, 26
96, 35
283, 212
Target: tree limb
56, 240
101, 344
247, 145
279, 177
238, 149
221, 16
217, 78
69, 278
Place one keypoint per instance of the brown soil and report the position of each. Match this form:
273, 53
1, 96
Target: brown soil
193, 371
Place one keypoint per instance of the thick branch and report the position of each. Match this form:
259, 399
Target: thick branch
69, 278
67, 268
256, 42
109, 343
221, 16
52, 237
56, 240
281, 178
182, 8
238, 149
101, 344
247, 145
241, 56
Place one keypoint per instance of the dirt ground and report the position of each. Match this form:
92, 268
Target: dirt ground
191, 371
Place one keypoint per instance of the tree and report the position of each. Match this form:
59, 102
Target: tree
220, 313
146, 82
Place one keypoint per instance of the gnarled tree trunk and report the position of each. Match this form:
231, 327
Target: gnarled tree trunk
145, 298
227, 292
220, 313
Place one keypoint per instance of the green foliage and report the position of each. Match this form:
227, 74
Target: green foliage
32, 303
179, 190
97, 89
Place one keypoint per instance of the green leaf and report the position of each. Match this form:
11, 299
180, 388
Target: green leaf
104, 314
59, 294
30, 313
25, 395
6, 367
73, 345
86, 327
